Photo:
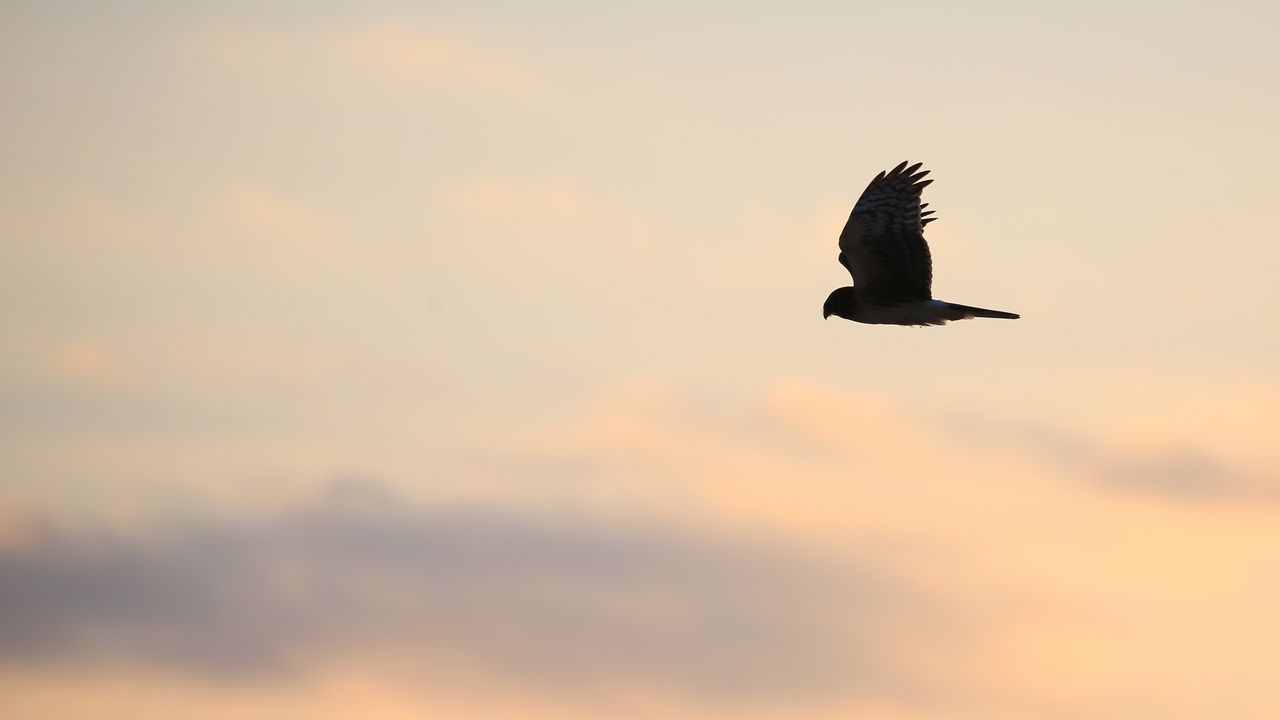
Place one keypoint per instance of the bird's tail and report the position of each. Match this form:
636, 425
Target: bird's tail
964, 312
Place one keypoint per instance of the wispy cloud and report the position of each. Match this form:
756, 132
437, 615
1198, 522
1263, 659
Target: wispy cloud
264, 213
417, 57
405, 56
1174, 468
360, 572
86, 362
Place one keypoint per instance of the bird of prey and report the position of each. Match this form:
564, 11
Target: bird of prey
883, 248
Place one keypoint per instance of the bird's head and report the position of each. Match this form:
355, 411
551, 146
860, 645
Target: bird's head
841, 303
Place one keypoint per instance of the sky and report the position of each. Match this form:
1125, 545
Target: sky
466, 360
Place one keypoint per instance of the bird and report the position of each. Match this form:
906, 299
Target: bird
883, 248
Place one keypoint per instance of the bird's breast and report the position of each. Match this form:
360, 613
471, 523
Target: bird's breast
927, 312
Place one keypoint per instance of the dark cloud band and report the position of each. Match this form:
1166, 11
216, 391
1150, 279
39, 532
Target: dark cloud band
361, 573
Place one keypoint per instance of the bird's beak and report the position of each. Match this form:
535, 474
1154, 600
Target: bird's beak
825, 314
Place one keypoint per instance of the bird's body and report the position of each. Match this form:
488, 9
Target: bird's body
883, 248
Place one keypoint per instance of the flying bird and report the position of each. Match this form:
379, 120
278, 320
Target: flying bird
883, 248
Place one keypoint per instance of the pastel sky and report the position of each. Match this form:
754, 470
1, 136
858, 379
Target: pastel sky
402, 360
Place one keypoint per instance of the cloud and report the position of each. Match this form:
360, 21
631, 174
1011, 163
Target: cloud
415, 56
360, 573
86, 363
545, 199
1170, 467
848, 555
404, 56
265, 214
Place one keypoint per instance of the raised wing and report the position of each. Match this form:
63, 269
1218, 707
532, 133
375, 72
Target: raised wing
882, 246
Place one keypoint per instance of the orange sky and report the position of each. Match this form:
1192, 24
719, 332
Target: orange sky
468, 361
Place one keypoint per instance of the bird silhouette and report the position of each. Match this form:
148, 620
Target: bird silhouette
883, 248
